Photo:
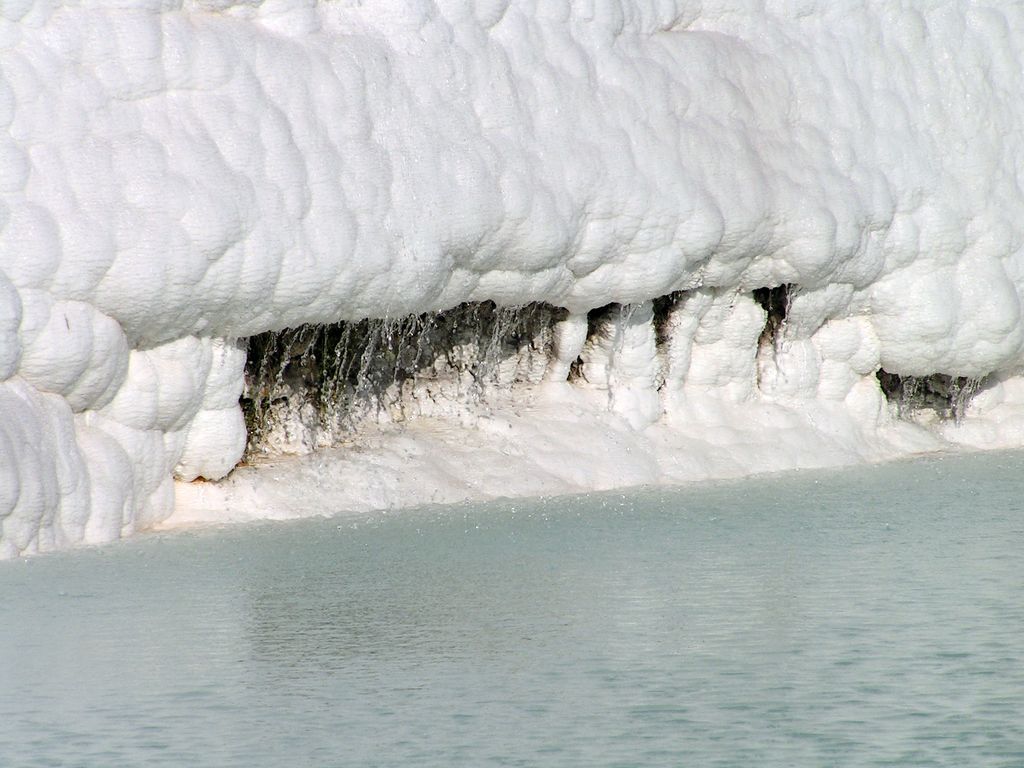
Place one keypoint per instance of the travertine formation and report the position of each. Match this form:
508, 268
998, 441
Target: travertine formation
177, 177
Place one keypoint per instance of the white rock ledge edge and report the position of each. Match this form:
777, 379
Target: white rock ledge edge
177, 176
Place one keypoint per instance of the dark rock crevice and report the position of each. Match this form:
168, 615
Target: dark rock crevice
341, 372
775, 302
945, 395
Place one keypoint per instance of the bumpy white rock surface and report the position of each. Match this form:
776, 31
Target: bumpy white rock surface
178, 175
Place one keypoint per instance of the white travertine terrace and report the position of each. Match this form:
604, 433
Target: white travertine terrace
175, 177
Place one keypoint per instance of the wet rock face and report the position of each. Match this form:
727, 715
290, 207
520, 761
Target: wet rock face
316, 386
775, 303
944, 396
313, 386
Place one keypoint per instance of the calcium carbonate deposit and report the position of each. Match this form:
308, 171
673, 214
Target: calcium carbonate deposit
443, 249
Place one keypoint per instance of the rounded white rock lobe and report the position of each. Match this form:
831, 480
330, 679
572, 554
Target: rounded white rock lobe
215, 438
223, 173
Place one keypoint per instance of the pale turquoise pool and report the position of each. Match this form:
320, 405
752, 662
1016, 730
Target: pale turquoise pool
868, 617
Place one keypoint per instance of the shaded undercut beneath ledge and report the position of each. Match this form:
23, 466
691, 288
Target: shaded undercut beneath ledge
946, 396
329, 378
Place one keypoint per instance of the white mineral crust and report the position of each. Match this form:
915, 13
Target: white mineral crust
177, 176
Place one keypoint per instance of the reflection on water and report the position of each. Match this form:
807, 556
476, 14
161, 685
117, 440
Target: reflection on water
863, 617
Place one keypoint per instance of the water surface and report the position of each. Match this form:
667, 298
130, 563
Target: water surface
865, 617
